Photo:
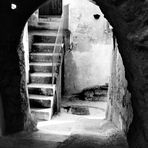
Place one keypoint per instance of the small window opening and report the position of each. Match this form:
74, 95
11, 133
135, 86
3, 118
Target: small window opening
96, 16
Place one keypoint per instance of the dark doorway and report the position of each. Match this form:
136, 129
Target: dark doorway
51, 8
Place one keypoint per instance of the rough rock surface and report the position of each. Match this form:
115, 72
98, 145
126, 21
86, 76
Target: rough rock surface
129, 20
96, 93
89, 141
119, 104
106, 136
12, 73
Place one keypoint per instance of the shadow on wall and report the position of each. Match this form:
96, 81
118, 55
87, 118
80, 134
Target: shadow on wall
1, 118
73, 75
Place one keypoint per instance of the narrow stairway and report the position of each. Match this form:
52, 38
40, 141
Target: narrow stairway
41, 88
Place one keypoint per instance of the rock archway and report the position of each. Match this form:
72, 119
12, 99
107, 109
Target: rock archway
129, 20
12, 73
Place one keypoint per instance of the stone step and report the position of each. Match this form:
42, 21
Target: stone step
42, 78
42, 114
41, 89
41, 97
44, 32
39, 28
40, 101
54, 18
49, 25
44, 47
44, 38
43, 57
42, 67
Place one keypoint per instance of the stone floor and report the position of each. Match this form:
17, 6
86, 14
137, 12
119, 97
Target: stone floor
95, 134
92, 141
67, 130
97, 109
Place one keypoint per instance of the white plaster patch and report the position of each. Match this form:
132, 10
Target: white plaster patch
13, 6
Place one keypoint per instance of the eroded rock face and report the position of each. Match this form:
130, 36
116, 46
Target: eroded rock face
129, 20
119, 103
12, 73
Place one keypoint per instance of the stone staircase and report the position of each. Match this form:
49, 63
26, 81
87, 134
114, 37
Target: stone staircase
41, 88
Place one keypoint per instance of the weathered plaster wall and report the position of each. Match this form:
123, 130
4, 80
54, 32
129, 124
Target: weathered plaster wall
129, 19
88, 64
119, 104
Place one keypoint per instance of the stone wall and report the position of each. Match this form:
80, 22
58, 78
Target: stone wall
33, 20
130, 23
119, 104
91, 47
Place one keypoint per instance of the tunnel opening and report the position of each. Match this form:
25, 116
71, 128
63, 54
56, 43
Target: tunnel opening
91, 90
132, 50
103, 85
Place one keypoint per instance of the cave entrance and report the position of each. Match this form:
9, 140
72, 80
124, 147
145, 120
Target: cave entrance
22, 108
86, 66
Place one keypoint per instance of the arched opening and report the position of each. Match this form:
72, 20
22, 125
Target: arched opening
87, 64
82, 46
132, 46
94, 45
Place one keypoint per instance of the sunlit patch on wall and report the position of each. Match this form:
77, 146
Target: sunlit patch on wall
13, 6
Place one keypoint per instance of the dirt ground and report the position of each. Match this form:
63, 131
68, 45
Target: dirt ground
90, 141
103, 135
67, 130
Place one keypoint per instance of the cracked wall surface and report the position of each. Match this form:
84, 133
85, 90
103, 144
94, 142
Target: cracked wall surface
91, 47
